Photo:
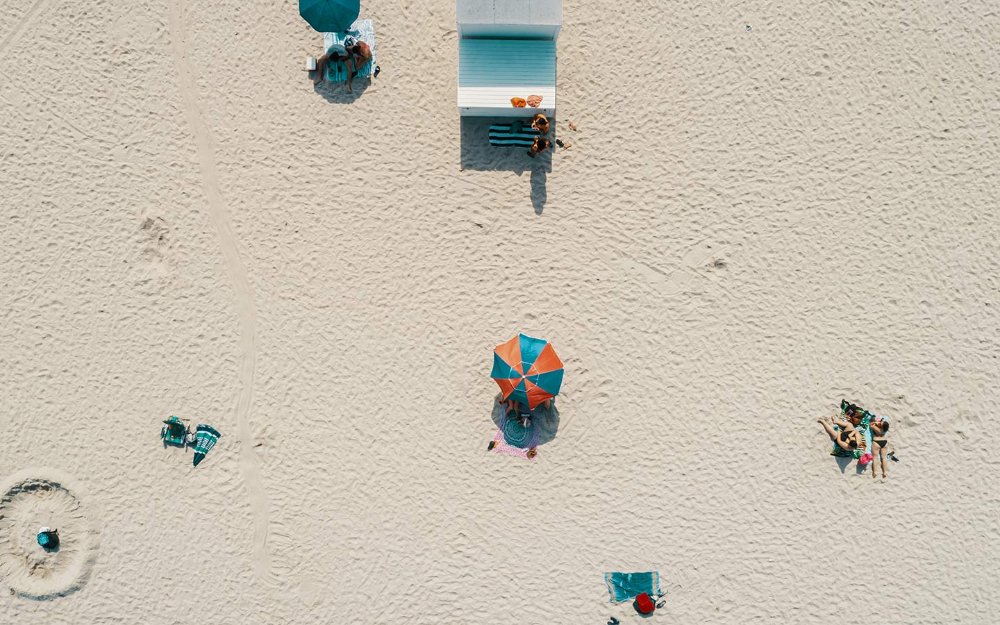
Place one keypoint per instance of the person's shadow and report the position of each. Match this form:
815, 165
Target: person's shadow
545, 419
539, 194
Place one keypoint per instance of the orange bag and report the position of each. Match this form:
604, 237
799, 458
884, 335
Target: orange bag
518, 102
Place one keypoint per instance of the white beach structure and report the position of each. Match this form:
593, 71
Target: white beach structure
506, 49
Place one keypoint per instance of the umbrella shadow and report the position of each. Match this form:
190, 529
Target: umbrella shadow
545, 419
337, 93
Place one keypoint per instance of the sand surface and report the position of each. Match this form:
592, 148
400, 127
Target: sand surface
751, 225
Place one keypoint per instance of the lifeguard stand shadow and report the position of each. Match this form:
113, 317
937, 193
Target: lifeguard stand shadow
478, 155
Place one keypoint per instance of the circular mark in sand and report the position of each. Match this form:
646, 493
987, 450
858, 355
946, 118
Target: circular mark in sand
33, 499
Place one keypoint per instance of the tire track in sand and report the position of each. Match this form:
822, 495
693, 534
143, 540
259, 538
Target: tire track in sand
29, 16
246, 308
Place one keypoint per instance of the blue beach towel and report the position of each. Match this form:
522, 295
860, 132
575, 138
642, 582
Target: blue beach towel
626, 586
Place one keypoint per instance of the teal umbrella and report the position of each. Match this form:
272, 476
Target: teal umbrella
330, 16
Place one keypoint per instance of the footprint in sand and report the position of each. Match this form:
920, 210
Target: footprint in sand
155, 245
38, 498
689, 275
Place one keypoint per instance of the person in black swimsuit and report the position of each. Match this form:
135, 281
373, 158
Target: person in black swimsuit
880, 428
847, 438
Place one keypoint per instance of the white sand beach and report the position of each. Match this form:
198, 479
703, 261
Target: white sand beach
768, 207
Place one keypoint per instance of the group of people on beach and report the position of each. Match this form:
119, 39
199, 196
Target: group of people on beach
847, 433
541, 143
356, 53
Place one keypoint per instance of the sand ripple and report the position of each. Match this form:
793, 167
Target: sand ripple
36, 498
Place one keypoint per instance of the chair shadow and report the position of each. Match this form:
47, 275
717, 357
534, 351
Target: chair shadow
477, 154
546, 419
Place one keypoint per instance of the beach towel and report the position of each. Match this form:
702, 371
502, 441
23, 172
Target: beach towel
513, 439
625, 586
362, 29
517, 134
205, 437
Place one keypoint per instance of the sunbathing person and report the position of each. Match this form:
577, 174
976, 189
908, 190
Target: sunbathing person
540, 123
880, 428
539, 145
848, 438
357, 56
852, 415
322, 62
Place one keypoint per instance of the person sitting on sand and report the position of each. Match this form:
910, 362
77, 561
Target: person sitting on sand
880, 428
848, 438
320, 72
48, 538
539, 145
357, 56
540, 123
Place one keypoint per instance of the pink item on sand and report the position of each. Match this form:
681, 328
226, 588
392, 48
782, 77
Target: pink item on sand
865, 459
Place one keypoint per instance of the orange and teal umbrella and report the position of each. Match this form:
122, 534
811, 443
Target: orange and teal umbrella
527, 370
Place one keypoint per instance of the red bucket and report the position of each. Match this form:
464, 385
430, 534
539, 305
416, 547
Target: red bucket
644, 604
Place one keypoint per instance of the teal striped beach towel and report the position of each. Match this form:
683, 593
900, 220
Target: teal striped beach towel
625, 586
516, 134
205, 438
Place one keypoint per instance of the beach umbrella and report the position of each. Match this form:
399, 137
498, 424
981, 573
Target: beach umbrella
527, 370
330, 16
205, 438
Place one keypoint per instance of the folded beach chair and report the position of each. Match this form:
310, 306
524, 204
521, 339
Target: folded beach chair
625, 586
174, 432
205, 437
516, 134
363, 30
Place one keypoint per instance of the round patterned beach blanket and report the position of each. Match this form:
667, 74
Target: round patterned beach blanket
517, 435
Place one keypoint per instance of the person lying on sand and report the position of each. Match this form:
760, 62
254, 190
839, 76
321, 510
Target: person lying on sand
848, 438
852, 415
880, 428
540, 123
